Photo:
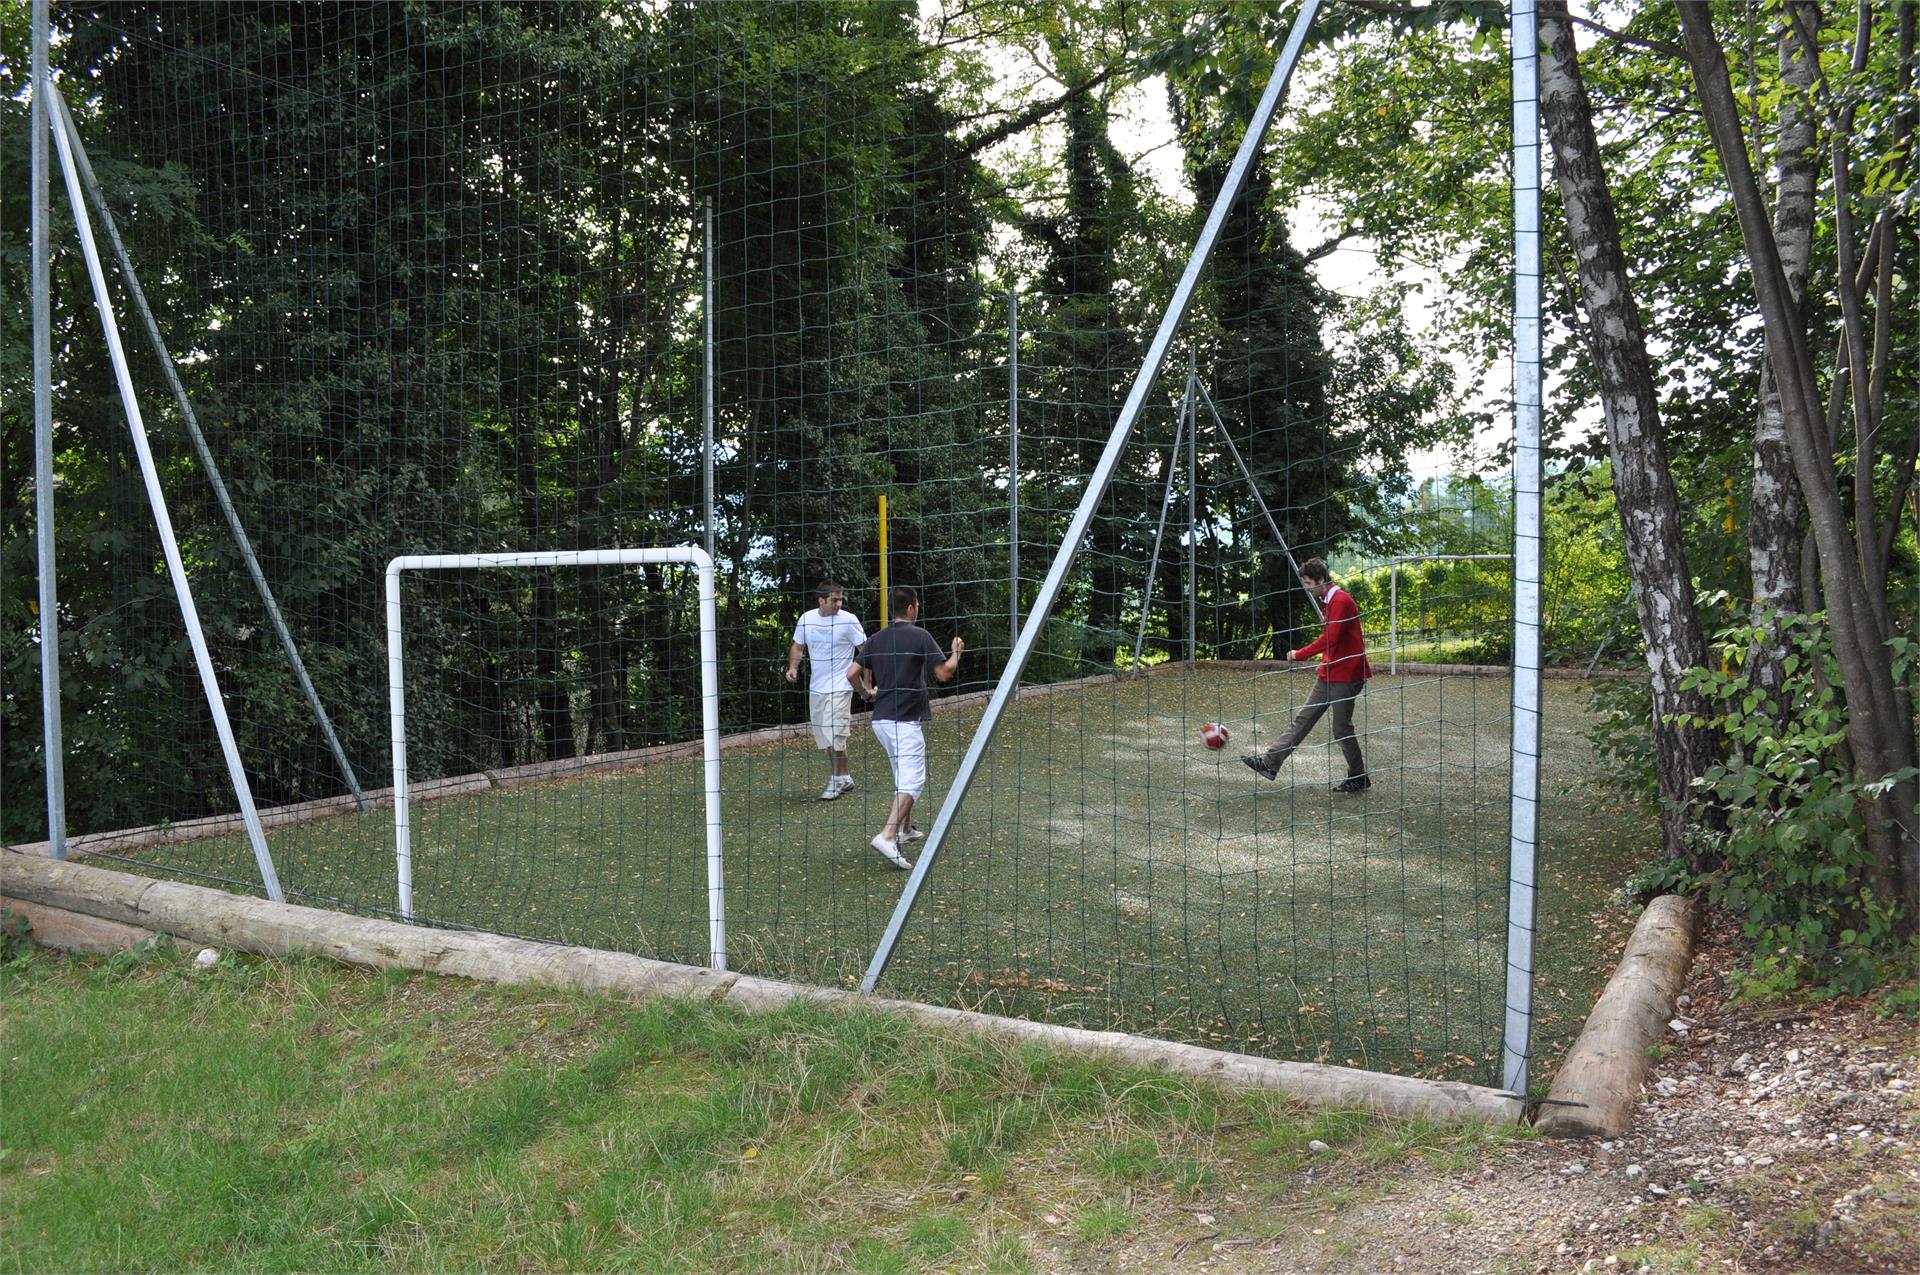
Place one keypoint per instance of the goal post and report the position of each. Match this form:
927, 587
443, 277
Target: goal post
570, 558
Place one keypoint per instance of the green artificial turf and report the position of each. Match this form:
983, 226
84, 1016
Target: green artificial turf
1106, 869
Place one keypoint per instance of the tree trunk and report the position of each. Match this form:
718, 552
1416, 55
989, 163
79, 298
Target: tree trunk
1881, 735
1642, 482
660, 626
496, 727
1775, 508
600, 405
554, 717
556, 710
1088, 272
1899, 806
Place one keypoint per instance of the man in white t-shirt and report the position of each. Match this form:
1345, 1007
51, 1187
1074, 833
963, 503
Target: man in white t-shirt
828, 636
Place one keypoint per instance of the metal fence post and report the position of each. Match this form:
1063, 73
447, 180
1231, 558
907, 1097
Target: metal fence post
1160, 528
1254, 487
163, 522
1393, 616
1013, 466
41, 218
1193, 516
706, 386
1522, 897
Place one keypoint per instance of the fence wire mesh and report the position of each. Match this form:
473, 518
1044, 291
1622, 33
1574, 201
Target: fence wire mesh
433, 275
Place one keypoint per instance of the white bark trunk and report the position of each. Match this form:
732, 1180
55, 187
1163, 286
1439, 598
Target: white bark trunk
1880, 727
1642, 481
1774, 507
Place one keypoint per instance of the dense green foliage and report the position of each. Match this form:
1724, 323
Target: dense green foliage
1793, 863
432, 273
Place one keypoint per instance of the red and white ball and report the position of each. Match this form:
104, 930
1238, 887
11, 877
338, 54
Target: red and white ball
1214, 735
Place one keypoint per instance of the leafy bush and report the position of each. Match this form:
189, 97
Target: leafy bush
1794, 861
1057, 655
1450, 611
1622, 732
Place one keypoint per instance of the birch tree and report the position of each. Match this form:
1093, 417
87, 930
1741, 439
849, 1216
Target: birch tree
1642, 479
1775, 509
1851, 529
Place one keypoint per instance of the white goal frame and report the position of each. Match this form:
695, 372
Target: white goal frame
709, 697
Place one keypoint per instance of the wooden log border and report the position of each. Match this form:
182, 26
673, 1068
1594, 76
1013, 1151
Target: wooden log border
1598, 1086
73, 899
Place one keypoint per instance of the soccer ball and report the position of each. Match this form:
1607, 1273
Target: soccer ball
1214, 735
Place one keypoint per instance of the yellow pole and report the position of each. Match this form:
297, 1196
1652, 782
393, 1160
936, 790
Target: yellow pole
883, 558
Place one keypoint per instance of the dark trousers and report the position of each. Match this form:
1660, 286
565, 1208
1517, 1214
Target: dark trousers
1338, 696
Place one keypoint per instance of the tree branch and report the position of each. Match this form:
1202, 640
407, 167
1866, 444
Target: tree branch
1662, 47
1330, 246
1034, 114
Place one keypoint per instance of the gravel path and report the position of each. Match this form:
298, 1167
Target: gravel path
1769, 1138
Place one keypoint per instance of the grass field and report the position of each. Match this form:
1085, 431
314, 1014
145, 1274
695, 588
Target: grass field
298, 1116
1106, 870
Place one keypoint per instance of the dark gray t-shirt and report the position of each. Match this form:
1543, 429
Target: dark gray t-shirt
900, 656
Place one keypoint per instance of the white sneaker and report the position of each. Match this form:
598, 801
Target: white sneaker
913, 834
833, 790
890, 851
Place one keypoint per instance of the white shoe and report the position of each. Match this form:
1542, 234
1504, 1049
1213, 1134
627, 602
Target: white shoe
833, 790
890, 851
913, 834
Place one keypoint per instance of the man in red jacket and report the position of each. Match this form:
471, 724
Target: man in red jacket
1344, 671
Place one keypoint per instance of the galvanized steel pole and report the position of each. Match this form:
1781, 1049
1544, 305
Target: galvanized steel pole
1523, 827
41, 218
1258, 499
1193, 516
1160, 528
706, 387
163, 522
1013, 466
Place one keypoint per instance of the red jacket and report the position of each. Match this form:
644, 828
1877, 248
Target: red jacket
1341, 647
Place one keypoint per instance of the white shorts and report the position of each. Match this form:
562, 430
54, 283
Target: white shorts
907, 750
832, 717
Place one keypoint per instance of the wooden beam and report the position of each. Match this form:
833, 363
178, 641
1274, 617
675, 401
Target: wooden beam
66, 931
200, 916
1600, 1080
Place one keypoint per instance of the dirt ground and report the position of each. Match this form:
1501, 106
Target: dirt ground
1768, 1139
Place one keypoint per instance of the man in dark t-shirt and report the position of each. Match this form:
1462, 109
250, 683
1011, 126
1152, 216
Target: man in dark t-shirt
891, 670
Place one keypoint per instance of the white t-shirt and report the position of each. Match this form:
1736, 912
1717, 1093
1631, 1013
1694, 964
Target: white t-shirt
830, 642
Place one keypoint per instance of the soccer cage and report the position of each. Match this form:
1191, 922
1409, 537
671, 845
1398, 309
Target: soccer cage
398, 281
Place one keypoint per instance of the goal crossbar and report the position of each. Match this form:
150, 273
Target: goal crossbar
709, 696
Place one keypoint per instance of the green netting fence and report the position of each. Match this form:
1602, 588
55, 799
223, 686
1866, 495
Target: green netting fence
434, 278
